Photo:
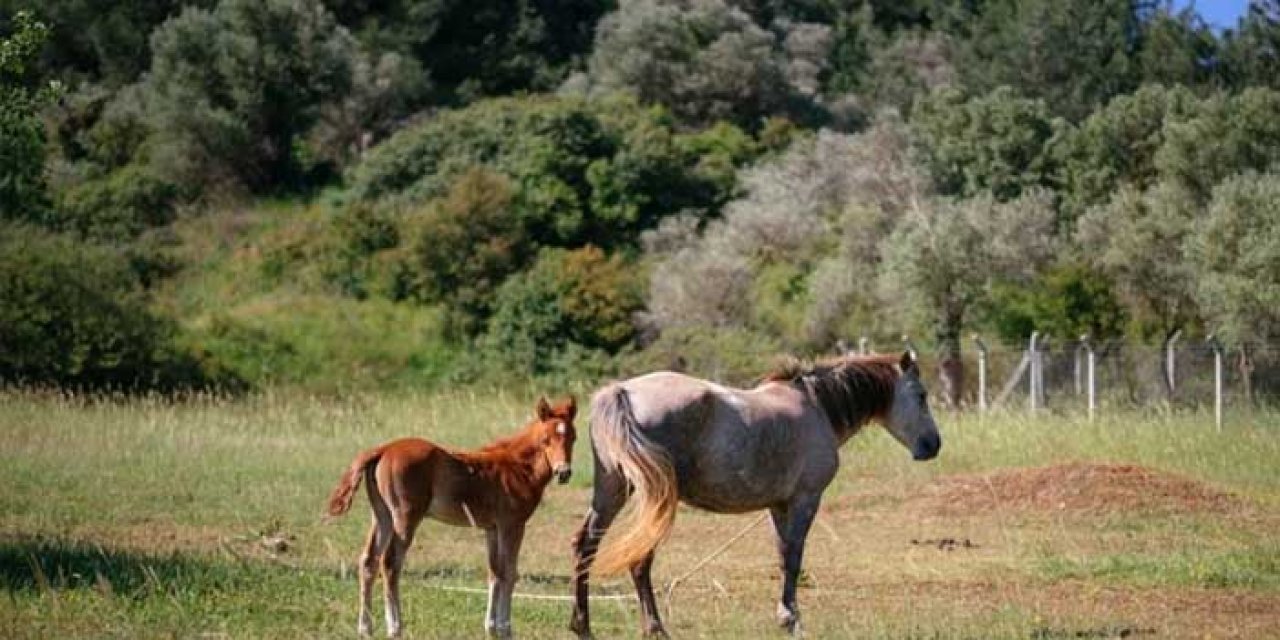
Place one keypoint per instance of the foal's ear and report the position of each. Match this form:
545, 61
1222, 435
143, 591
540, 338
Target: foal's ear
544, 409
570, 407
908, 363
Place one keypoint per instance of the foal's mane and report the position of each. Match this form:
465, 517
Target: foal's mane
510, 460
850, 389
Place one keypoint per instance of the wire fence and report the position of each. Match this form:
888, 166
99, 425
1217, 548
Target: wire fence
1055, 376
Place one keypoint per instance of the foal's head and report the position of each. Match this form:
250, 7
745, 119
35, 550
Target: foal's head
554, 432
908, 418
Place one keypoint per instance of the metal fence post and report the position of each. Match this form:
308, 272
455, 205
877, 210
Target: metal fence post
1033, 352
1170, 377
982, 372
1090, 381
1216, 345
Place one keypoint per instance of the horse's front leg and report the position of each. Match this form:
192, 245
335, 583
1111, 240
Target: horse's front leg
792, 522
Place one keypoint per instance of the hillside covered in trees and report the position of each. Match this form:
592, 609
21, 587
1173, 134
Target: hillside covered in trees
345, 193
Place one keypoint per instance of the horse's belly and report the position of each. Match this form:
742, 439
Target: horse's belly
731, 496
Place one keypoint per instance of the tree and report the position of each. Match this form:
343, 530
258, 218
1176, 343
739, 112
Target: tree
805, 235
1117, 144
1177, 49
705, 60
1227, 135
22, 137
101, 43
997, 143
1251, 52
1234, 250
479, 48
231, 90
945, 255
1072, 54
1137, 240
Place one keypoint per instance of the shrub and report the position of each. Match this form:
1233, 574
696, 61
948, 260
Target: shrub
581, 172
459, 250
119, 206
75, 314
567, 299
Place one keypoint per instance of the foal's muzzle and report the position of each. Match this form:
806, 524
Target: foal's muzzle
563, 471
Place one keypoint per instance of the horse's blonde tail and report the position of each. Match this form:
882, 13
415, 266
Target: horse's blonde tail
340, 499
621, 446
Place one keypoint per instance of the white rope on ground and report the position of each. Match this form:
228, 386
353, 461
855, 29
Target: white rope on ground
671, 586
526, 596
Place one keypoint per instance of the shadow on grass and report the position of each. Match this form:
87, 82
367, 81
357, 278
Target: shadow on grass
40, 564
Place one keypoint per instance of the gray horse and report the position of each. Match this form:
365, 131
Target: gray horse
665, 437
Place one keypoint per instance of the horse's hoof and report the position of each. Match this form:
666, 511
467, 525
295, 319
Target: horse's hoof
495, 631
656, 632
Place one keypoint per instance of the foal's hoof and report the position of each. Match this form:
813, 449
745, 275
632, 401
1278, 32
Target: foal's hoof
789, 621
656, 632
580, 628
494, 631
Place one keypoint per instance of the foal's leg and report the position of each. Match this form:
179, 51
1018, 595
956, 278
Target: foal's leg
392, 564
607, 499
791, 522
375, 546
510, 539
644, 591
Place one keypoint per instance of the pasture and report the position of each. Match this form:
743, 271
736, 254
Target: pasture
145, 518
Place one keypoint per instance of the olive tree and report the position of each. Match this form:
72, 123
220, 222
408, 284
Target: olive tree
945, 255
1234, 251
706, 60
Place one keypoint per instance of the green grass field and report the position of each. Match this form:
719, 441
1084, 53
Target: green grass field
148, 518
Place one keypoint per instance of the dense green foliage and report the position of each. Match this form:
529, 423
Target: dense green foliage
76, 315
593, 186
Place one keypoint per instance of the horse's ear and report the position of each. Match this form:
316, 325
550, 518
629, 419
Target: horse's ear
908, 363
571, 406
544, 409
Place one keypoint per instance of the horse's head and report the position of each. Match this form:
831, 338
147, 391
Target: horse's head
908, 418
556, 435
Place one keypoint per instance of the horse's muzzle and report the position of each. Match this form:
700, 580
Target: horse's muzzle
562, 473
926, 448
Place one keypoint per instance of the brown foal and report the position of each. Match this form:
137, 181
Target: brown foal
496, 488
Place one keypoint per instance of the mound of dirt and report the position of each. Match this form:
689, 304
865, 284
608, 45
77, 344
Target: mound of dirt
1076, 487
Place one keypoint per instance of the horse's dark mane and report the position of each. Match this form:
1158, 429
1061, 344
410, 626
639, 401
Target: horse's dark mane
850, 389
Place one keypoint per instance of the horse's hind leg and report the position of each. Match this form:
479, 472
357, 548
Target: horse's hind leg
375, 546
640, 576
792, 523
607, 499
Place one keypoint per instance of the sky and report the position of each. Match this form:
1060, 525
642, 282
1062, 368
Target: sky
1220, 14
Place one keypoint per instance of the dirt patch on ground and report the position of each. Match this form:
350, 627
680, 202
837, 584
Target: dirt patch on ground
1075, 487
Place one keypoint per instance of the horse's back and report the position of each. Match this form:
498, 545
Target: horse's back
733, 450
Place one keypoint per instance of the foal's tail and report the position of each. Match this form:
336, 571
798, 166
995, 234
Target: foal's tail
340, 499
621, 446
